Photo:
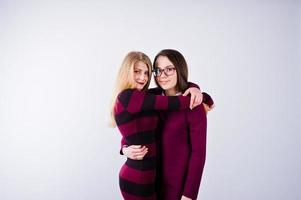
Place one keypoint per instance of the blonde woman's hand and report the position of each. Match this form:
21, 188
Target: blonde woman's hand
135, 152
196, 96
185, 198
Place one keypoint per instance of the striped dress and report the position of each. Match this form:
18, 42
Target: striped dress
136, 118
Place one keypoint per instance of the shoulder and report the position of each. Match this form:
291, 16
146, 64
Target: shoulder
126, 91
199, 108
198, 111
125, 95
129, 94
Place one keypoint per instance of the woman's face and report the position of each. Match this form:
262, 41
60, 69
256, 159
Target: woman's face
141, 74
166, 82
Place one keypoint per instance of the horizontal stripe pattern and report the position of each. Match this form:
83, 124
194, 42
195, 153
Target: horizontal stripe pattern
125, 97
123, 117
149, 102
148, 163
128, 196
137, 99
143, 190
173, 103
143, 137
144, 123
137, 119
151, 150
136, 176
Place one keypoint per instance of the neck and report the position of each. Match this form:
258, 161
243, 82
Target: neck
171, 92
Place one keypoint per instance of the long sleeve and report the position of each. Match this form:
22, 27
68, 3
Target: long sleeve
197, 132
123, 143
135, 101
156, 91
132, 101
206, 97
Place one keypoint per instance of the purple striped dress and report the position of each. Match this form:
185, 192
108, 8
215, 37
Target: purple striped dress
136, 118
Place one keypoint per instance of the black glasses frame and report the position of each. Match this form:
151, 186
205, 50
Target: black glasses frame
158, 72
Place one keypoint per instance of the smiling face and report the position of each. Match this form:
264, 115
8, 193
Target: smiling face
140, 75
167, 83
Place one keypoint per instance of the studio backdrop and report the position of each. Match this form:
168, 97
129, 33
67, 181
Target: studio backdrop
58, 65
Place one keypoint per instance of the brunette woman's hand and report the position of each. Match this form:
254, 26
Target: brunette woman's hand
185, 198
196, 96
207, 108
135, 152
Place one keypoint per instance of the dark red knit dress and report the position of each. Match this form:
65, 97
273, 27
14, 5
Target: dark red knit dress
136, 118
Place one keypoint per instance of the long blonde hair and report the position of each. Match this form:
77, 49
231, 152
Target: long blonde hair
126, 75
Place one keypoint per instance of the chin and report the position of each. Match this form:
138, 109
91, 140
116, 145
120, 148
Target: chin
140, 88
164, 87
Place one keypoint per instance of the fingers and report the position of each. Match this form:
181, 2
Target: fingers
140, 155
135, 146
136, 152
207, 108
192, 100
140, 150
186, 92
199, 99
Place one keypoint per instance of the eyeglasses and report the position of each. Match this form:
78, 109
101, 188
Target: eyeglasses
168, 71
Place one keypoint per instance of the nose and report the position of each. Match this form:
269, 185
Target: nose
142, 76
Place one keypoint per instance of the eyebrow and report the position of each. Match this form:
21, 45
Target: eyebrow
164, 67
135, 68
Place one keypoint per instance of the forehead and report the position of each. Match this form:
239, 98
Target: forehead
163, 61
140, 65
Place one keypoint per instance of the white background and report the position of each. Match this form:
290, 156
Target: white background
58, 64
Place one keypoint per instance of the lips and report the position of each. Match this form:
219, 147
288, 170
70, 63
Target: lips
141, 85
163, 82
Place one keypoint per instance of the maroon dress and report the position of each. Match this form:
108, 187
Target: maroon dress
182, 146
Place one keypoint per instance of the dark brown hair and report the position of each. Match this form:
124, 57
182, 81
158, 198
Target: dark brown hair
179, 63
